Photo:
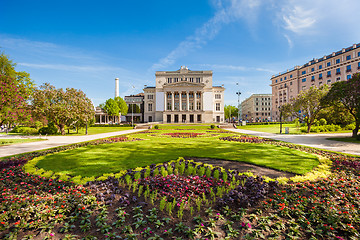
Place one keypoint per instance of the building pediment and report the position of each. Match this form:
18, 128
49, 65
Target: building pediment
183, 84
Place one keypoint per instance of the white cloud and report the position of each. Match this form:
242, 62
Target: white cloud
227, 11
299, 20
236, 68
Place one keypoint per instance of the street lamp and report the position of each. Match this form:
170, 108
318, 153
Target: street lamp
132, 109
280, 119
239, 107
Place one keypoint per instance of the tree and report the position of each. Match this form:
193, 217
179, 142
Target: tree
13, 105
63, 108
133, 108
122, 105
16, 89
348, 94
230, 111
309, 103
112, 108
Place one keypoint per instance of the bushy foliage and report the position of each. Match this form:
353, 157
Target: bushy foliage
24, 130
50, 129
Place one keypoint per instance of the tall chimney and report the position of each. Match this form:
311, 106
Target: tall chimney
116, 87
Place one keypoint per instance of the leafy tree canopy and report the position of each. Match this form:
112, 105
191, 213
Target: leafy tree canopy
230, 111
347, 93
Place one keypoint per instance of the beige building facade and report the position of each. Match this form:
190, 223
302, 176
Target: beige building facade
184, 96
338, 66
257, 108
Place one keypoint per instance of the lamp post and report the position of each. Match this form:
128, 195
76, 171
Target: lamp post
280, 119
132, 113
239, 107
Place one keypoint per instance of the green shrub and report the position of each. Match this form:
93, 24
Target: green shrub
156, 126
350, 126
24, 130
51, 129
212, 126
322, 121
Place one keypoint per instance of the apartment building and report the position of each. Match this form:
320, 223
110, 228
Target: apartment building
257, 108
337, 66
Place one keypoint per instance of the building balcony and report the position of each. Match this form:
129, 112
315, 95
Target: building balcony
348, 70
329, 75
338, 73
320, 78
312, 80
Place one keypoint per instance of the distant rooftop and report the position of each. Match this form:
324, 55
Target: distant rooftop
315, 60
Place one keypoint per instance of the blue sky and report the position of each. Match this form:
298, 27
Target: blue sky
87, 44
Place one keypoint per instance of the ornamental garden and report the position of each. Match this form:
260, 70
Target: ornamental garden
157, 184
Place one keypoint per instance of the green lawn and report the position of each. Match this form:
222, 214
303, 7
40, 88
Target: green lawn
15, 141
272, 128
97, 130
345, 139
112, 158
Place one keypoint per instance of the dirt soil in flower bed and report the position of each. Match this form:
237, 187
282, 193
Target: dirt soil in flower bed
243, 167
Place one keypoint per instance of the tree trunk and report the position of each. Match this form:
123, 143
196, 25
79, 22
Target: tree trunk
356, 129
308, 127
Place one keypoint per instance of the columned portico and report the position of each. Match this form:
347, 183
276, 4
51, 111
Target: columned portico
188, 96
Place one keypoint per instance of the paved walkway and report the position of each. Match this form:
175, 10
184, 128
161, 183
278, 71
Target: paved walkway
311, 140
53, 141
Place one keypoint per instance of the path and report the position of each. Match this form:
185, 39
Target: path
54, 141
311, 140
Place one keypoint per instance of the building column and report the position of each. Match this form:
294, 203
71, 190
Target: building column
195, 101
187, 101
180, 103
201, 101
172, 101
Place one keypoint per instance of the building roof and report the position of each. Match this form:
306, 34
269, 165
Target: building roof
315, 60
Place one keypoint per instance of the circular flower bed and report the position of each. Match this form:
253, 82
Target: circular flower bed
183, 134
181, 187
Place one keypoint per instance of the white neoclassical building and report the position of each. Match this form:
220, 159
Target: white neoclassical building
184, 96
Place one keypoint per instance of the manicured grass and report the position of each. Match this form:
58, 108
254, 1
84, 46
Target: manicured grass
4, 142
272, 128
345, 139
97, 130
112, 158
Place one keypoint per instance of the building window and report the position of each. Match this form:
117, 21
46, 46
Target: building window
348, 57
348, 68
176, 105
303, 80
150, 96
312, 78
176, 79
320, 66
169, 80
338, 79
183, 106
290, 75
358, 54
284, 78
303, 72
217, 96
358, 65
169, 106
257, 109
191, 106
290, 83
276, 81
338, 71
150, 107
198, 80
191, 79
320, 75
176, 95
217, 107
328, 74
329, 81
280, 79
328, 64
337, 61
198, 105
348, 77
312, 69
